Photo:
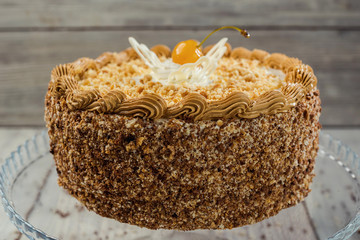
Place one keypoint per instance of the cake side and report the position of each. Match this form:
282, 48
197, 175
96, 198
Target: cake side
175, 147
181, 174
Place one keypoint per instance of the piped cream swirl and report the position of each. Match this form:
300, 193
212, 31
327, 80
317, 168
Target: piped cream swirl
230, 107
77, 100
192, 106
150, 106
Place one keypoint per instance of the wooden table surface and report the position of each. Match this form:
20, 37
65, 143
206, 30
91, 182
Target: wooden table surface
301, 227
35, 36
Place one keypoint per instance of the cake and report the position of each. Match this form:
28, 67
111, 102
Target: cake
226, 141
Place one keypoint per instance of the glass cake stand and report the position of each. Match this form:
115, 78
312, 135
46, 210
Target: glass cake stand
42, 210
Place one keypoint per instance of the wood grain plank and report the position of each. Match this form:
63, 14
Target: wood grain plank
63, 212
26, 60
351, 139
43, 13
296, 225
9, 140
273, 228
336, 195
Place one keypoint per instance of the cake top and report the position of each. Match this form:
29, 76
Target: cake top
220, 82
135, 79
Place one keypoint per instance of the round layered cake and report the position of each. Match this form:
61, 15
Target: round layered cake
226, 141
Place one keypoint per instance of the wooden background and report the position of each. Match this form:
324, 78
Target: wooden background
36, 35
39, 34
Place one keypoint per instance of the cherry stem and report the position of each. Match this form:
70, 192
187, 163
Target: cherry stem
242, 32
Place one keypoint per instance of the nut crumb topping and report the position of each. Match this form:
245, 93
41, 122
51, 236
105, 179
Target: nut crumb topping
232, 75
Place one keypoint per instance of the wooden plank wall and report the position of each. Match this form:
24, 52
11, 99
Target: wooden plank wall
37, 35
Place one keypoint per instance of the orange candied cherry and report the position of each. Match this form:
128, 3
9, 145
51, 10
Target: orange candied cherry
189, 51
186, 52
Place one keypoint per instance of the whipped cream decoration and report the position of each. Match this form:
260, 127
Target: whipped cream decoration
168, 72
